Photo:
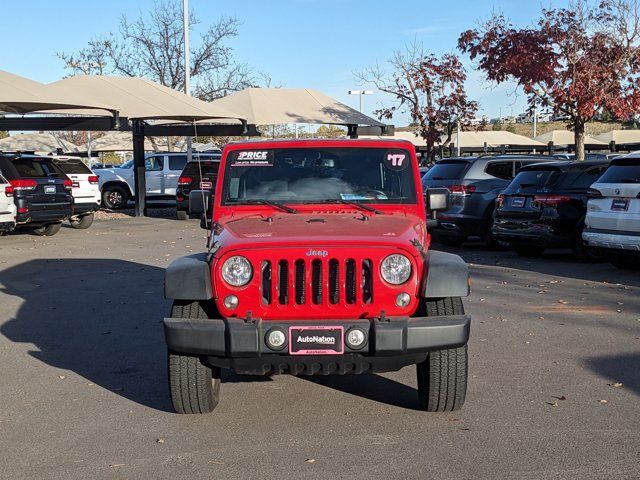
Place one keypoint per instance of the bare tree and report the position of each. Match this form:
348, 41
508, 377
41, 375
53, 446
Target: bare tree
152, 46
429, 88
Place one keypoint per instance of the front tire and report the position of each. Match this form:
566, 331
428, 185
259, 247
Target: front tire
115, 197
442, 377
83, 222
194, 386
530, 251
47, 230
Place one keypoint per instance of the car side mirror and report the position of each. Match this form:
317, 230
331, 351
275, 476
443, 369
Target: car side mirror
199, 203
437, 199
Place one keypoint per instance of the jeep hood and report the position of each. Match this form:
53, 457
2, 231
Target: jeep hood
319, 229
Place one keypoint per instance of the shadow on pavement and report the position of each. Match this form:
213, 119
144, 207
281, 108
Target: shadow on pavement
555, 262
99, 318
371, 386
624, 368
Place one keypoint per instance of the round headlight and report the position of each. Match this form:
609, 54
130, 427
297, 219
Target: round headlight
395, 269
237, 271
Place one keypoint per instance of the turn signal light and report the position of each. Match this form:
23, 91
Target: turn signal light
23, 184
551, 200
462, 189
184, 181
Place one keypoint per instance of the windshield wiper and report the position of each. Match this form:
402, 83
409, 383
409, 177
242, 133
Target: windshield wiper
353, 204
282, 207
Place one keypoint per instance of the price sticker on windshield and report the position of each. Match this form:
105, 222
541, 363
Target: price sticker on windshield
397, 159
252, 158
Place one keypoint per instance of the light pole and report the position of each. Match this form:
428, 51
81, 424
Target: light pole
187, 63
360, 93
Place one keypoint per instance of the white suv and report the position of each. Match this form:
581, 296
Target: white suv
7, 207
85, 190
613, 214
162, 172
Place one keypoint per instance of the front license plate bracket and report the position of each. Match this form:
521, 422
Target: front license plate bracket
316, 340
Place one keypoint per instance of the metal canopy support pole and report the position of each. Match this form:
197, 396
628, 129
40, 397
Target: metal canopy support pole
139, 174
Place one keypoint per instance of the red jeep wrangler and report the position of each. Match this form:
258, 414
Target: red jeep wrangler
318, 262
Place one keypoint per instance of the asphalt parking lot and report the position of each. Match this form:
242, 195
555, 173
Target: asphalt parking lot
554, 384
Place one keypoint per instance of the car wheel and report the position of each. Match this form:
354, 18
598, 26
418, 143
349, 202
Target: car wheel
83, 222
584, 253
182, 215
115, 197
47, 230
530, 251
623, 261
194, 386
450, 241
442, 377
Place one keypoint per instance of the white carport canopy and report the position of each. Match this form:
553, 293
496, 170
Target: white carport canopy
116, 142
565, 137
138, 98
492, 139
417, 140
36, 142
272, 106
621, 137
21, 95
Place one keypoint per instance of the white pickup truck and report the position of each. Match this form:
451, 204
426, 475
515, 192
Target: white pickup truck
163, 170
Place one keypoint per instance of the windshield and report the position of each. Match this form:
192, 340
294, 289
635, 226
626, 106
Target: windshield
621, 174
534, 178
317, 175
206, 166
35, 167
72, 166
446, 171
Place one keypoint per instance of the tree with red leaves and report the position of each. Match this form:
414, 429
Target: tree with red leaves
579, 61
427, 87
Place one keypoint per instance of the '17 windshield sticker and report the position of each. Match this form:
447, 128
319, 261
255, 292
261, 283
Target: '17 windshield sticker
396, 159
252, 158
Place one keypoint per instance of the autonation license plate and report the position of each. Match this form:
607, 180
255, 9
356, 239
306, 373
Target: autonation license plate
620, 205
49, 189
316, 340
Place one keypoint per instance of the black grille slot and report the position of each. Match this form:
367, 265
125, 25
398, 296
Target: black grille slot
350, 281
334, 281
367, 281
283, 282
316, 281
266, 282
300, 282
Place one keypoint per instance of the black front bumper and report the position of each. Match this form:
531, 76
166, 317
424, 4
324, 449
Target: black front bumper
391, 343
85, 208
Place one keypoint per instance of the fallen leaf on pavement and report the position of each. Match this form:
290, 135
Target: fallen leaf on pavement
616, 385
310, 460
61, 377
604, 401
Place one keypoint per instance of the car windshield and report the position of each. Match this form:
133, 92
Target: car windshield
36, 167
534, 178
207, 167
72, 166
319, 175
447, 170
621, 174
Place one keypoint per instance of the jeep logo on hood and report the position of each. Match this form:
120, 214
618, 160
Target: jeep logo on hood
317, 253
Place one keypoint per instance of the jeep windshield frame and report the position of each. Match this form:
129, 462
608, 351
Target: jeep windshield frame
319, 174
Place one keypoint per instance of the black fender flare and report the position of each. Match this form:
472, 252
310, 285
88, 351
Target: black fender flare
188, 278
446, 275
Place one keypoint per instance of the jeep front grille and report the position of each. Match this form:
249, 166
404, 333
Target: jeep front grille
305, 281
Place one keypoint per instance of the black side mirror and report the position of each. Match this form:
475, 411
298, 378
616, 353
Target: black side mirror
437, 199
199, 203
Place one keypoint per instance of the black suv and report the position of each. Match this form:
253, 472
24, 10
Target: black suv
196, 175
474, 183
545, 206
41, 192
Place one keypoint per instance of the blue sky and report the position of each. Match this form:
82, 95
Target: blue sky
300, 43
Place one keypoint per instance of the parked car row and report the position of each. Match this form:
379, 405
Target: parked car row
40, 192
534, 203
